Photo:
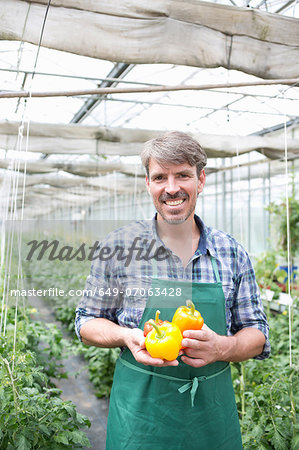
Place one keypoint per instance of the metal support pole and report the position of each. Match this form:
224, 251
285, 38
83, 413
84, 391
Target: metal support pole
231, 199
216, 200
249, 207
224, 221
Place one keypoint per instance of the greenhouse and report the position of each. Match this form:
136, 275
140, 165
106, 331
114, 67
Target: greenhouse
102, 104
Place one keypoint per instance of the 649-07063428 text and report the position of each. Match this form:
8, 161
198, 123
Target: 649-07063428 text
114, 292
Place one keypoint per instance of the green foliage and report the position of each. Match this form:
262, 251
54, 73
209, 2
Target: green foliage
101, 364
267, 392
69, 276
278, 212
266, 272
270, 391
32, 415
269, 276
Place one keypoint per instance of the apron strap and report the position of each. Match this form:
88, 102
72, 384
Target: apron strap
215, 269
191, 384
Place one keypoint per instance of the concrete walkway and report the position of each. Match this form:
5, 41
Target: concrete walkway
78, 388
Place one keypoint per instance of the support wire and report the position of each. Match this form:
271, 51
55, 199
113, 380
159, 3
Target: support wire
288, 232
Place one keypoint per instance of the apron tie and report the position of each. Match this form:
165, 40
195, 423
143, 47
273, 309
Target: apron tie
192, 385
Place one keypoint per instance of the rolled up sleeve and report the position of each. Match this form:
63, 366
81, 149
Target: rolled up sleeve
248, 309
101, 297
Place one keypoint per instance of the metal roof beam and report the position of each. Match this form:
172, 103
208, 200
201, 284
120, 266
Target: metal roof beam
283, 7
277, 127
118, 71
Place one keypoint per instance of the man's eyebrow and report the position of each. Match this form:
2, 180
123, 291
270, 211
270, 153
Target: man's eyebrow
186, 171
156, 174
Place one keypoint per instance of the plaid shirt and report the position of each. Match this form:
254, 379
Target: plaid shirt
116, 287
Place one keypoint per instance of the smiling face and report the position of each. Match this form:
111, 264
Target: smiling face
174, 189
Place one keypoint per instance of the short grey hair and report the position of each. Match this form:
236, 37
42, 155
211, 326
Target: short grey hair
174, 147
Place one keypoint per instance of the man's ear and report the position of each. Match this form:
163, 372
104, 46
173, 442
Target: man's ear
147, 184
201, 181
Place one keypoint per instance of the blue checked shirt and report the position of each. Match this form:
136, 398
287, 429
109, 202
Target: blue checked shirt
117, 286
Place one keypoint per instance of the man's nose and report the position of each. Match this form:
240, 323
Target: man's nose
172, 186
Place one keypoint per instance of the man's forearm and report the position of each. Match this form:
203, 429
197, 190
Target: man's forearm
245, 344
102, 332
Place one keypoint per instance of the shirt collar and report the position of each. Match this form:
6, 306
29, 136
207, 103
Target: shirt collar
159, 242
204, 245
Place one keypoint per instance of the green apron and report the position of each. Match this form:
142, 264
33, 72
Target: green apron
175, 407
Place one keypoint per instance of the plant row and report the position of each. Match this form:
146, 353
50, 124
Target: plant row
266, 391
32, 414
100, 361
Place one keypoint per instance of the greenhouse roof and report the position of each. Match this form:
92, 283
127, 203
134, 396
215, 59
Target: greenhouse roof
221, 56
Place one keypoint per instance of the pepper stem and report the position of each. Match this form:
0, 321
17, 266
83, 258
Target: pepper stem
190, 305
160, 334
157, 316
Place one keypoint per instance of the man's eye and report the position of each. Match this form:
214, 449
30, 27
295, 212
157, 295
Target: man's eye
158, 178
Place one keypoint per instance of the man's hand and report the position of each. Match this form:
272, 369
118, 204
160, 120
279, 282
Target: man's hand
205, 346
135, 341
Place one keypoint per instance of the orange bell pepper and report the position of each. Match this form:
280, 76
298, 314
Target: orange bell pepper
163, 341
187, 317
148, 327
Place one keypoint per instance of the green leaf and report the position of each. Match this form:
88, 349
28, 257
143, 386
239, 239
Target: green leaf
82, 419
22, 442
44, 429
31, 391
78, 437
295, 443
29, 379
61, 438
257, 432
278, 441
70, 409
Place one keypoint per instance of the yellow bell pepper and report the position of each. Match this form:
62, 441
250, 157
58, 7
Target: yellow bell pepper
187, 317
163, 341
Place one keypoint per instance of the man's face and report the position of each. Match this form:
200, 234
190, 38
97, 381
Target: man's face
174, 189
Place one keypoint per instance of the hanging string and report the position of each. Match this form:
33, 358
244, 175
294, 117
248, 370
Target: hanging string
135, 193
27, 110
12, 182
14, 176
20, 54
288, 230
27, 103
115, 196
239, 190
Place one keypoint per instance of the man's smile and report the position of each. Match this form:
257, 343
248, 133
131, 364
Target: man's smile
174, 202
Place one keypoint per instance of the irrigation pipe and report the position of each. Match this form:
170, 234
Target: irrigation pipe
162, 88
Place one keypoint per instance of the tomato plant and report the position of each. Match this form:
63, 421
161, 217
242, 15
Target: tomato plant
71, 276
32, 414
267, 391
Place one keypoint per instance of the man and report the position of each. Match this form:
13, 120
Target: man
187, 402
